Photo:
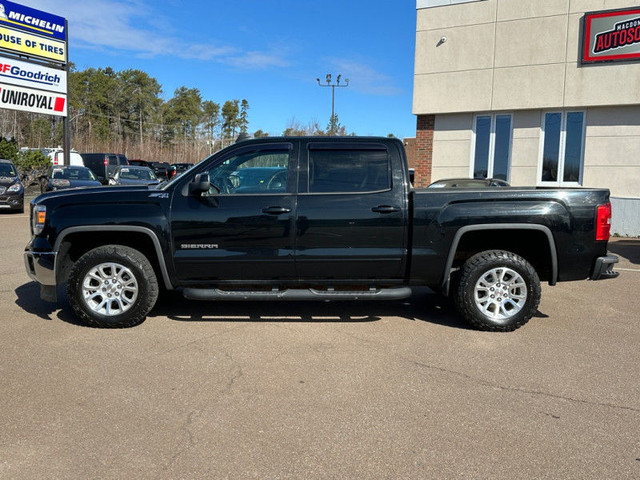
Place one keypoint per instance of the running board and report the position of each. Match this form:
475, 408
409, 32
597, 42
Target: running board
297, 294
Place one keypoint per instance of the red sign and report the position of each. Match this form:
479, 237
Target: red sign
612, 35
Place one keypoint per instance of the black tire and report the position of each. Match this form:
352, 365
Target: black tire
506, 310
133, 273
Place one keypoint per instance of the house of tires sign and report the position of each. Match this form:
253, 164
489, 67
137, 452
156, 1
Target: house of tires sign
33, 60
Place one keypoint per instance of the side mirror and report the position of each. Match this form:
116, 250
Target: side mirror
200, 184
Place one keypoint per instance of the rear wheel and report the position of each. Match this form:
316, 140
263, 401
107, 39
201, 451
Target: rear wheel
112, 287
497, 291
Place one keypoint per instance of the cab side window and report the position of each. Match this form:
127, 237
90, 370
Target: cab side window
256, 172
348, 171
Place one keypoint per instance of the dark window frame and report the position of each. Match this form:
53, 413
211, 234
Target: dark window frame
305, 180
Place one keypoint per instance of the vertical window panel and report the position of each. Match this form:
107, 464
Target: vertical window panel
562, 148
551, 150
573, 148
502, 147
483, 139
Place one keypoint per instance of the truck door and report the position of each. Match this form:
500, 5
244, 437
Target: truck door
243, 227
352, 213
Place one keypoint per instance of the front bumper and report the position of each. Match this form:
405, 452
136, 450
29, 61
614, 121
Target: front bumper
604, 268
11, 201
41, 266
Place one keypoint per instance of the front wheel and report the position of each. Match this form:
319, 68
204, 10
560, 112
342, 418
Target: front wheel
497, 291
112, 287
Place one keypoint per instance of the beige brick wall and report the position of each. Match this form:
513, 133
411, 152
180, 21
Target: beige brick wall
513, 54
611, 158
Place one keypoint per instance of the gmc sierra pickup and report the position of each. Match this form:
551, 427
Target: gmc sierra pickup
314, 218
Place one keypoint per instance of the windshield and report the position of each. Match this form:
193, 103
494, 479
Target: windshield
7, 170
137, 174
73, 174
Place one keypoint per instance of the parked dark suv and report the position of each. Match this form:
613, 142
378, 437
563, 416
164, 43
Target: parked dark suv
103, 165
11, 189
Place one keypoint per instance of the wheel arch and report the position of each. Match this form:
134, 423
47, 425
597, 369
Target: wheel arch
75, 241
466, 235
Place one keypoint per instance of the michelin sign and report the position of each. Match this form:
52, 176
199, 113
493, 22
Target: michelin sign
33, 21
24, 84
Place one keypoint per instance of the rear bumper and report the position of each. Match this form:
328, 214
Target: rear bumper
603, 268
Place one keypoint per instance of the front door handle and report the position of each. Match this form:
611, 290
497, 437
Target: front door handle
275, 210
385, 209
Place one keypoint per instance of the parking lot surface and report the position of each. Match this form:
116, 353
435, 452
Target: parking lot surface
320, 390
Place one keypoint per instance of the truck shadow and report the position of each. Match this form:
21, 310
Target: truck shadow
28, 298
629, 249
422, 306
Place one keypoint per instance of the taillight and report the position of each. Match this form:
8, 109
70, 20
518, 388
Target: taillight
603, 222
55, 159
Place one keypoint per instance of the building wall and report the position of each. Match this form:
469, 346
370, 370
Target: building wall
611, 158
522, 57
513, 54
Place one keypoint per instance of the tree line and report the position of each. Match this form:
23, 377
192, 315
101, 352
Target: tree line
124, 112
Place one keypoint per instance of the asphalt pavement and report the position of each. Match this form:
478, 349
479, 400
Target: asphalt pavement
320, 390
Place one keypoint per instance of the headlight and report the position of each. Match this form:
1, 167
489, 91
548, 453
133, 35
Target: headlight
16, 187
38, 218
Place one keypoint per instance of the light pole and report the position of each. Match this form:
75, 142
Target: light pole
333, 86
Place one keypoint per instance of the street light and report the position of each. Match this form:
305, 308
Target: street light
333, 95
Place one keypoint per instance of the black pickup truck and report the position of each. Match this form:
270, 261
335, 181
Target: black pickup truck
314, 218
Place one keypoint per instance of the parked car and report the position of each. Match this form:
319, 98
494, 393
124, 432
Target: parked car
139, 163
469, 183
57, 157
346, 226
103, 165
131, 175
72, 176
11, 189
178, 169
161, 169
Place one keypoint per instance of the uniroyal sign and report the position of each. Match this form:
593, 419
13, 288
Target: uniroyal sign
612, 35
35, 101
32, 75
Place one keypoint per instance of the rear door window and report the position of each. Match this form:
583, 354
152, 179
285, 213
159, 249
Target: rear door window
336, 170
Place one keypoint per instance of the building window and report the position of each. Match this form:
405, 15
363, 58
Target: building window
562, 147
491, 152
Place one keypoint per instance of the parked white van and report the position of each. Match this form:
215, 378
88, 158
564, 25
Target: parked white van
57, 157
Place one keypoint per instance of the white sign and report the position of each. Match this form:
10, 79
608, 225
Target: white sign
31, 75
35, 101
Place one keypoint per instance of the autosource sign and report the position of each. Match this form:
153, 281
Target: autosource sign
32, 75
612, 35
35, 101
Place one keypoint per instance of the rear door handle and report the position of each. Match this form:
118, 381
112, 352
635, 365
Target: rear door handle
275, 210
385, 209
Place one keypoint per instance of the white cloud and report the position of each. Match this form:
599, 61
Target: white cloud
364, 78
135, 28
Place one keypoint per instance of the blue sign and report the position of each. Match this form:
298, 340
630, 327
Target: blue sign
33, 21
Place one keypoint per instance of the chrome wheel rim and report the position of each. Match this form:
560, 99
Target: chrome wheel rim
109, 289
500, 293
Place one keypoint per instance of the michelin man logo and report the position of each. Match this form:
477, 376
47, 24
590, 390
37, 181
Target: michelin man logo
2, 14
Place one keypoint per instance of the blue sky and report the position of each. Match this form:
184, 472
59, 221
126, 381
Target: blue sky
269, 52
